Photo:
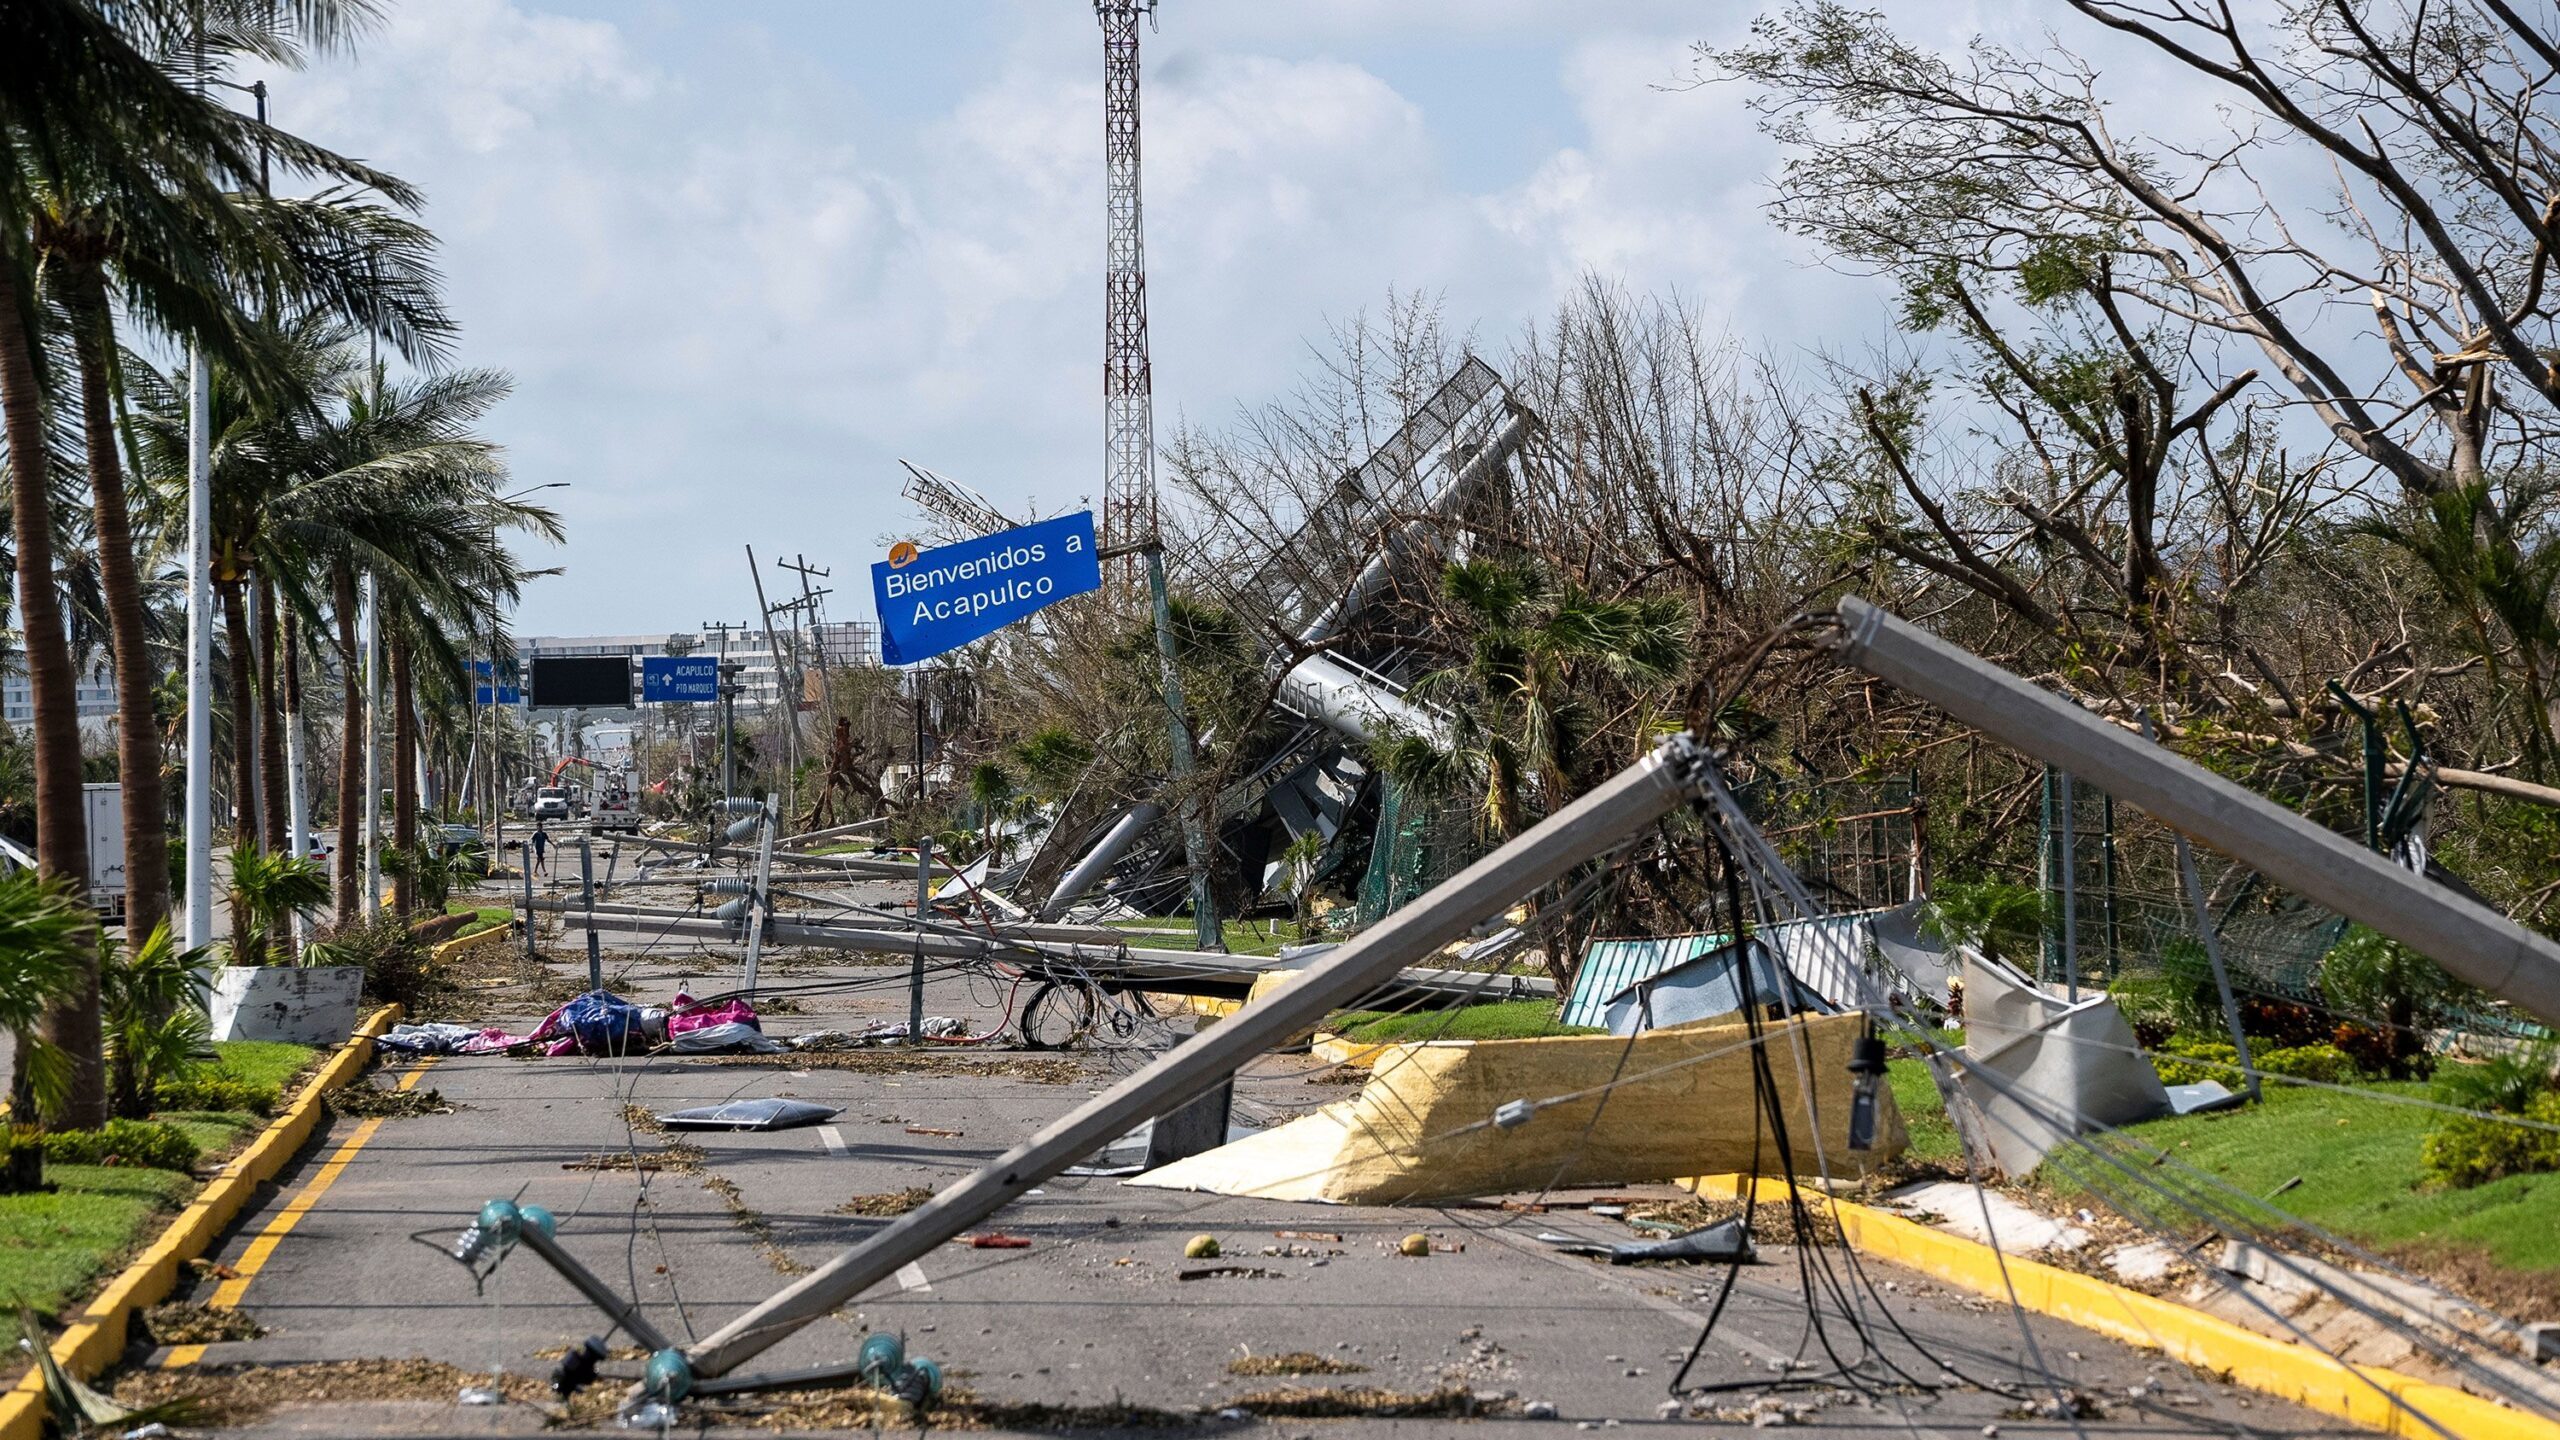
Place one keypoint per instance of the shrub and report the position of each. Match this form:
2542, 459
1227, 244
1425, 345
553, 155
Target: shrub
211, 1091
2186, 1061
2195, 1002
2392, 1053
394, 960
2471, 1150
2506, 1083
2325, 1063
2476, 1148
123, 1142
2387, 989
2282, 1024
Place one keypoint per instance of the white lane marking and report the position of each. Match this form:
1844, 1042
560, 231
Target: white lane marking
911, 1277
833, 1138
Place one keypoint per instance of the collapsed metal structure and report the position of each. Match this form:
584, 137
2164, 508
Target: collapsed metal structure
2465, 937
1337, 688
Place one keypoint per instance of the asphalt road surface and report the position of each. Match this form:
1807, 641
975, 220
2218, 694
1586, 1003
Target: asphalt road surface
1093, 1313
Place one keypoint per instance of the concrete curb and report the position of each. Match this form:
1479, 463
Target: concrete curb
93, 1341
469, 943
2378, 1399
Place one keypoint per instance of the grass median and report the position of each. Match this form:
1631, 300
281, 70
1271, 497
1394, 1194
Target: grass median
59, 1244
2346, 1160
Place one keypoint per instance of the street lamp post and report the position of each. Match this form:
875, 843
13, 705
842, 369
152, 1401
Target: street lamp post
199, 825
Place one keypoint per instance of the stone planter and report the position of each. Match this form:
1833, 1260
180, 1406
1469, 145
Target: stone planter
313, 1005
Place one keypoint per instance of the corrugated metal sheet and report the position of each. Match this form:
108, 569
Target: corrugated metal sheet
1609, 966
1826, 953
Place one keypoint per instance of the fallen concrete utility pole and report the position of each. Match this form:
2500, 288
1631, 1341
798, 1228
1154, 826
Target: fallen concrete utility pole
1637, 797
886, 925
860, 866
1112, 967
833, 832
2469, 940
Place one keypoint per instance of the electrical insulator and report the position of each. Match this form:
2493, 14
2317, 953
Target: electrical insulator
741, 805
732, 912
741, 829
729, 885
1866, 1063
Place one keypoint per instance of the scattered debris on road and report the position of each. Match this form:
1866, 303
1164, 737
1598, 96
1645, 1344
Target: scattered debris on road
234, 1395
886, 1204
1296, 1362
183, 1323
374, 1102
1227, 1272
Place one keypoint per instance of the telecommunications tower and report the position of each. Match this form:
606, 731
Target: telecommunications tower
1128, 403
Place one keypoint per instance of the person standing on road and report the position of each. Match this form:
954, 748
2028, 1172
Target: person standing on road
541, 848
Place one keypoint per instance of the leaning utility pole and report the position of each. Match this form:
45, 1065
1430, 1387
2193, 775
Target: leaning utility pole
799, 565
786, 688
728, 710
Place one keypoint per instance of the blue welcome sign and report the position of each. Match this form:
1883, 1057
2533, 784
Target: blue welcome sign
676, 678
936, 600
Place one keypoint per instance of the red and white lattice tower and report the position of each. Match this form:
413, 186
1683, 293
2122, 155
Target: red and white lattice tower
1128, 402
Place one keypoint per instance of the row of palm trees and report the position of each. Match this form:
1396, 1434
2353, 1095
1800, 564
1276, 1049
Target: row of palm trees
138, 218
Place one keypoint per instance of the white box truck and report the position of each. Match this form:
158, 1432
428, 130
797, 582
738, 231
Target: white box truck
104, 812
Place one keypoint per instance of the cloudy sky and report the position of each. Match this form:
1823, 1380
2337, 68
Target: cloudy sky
742, 257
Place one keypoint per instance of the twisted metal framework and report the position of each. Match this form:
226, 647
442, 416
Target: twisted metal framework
1128, 401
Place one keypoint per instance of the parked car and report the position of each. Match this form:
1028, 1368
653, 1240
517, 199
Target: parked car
551, 802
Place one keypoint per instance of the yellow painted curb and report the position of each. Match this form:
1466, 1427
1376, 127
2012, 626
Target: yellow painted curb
93, 1341
2378, 1399
469, 943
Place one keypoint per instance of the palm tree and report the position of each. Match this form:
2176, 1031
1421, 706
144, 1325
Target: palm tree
1522, 692
153, 998
111, 159
44, 956
392, 484
267, 892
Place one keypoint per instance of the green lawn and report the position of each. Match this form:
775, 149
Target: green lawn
1933, 1135
1502, 1020
57, 1245
262, 1062
2357, 1157
485, 917
1243, 937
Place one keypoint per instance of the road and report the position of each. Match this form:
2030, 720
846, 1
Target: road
1093, 1312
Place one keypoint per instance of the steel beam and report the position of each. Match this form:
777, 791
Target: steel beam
1106, 851
1590, 826
2469, 940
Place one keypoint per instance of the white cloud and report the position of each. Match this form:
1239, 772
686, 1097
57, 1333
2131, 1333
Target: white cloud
734, 285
